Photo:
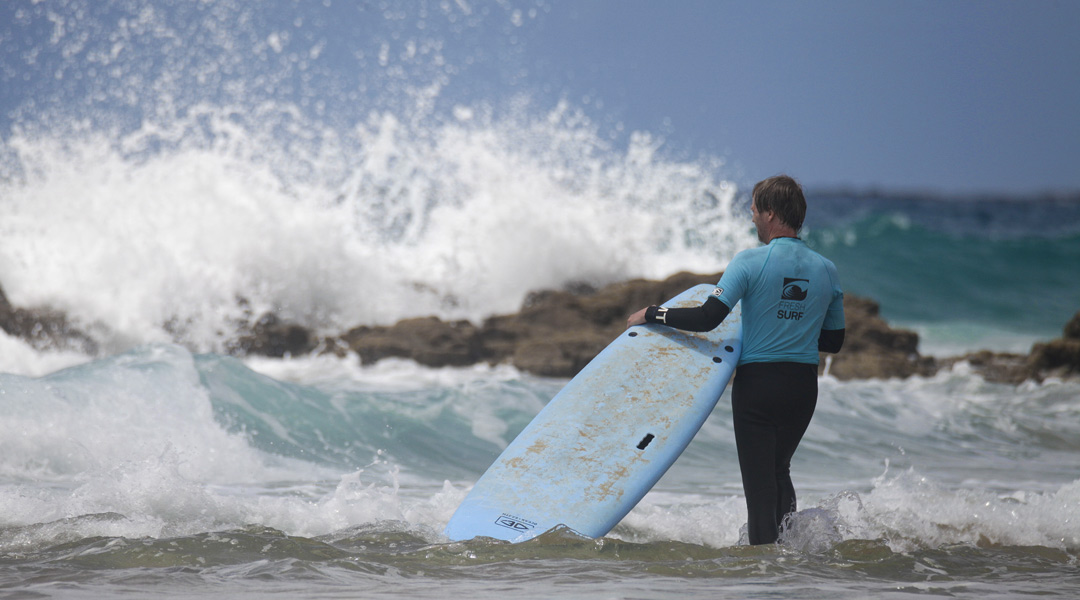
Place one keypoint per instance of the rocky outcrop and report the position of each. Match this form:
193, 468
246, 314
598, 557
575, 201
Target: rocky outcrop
999, 367
1056, 358
873, 349
270, 336
556, 333
428, 341
43, 328
1060, 356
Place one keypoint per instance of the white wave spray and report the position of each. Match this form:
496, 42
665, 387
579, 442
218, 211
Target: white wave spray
182, 215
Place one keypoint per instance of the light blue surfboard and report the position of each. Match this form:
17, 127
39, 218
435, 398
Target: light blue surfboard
603, 441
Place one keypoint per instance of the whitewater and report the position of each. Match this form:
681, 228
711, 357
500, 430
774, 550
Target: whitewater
163, 206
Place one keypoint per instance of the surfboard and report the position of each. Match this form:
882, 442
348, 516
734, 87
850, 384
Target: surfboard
608, 436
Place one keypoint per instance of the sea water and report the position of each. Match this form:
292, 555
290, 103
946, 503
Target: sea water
166, 472
178, 169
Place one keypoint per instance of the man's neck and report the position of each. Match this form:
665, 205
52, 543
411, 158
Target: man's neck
786, 232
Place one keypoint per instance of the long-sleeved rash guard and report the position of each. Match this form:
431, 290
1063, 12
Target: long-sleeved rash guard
792, 304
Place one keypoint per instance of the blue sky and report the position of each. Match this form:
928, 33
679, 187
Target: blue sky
953, 96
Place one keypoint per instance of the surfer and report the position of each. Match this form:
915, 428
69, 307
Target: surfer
792, 308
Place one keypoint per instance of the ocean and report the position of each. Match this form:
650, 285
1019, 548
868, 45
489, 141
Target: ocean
169, 172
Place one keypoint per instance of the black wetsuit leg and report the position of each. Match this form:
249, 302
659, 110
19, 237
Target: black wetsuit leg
772, 404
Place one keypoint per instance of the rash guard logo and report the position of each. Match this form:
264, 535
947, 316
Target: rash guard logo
795, 289
791, 299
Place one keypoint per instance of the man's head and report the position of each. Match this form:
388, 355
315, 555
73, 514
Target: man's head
782, 196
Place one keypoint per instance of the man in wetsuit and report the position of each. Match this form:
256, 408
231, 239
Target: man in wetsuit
792, 308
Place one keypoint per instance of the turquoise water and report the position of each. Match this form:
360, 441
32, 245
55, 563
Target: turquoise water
191, 475
982, 280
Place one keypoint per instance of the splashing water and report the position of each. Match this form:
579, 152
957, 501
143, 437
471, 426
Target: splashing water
249, 164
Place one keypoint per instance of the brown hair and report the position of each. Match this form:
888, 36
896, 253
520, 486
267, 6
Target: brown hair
783, 196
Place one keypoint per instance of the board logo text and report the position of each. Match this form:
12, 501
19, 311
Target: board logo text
515, 523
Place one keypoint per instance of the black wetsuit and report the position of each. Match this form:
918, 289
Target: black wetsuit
792, 309
771, 405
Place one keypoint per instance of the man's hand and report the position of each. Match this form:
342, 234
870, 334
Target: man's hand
637, 318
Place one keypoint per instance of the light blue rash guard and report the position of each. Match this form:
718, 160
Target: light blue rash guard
789, 293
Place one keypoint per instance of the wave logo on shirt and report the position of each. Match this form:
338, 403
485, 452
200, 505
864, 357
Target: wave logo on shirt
795, 289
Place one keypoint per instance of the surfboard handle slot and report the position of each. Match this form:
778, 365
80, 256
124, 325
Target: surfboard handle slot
645, 441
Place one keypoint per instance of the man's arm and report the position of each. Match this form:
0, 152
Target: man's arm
699, 318
830, 340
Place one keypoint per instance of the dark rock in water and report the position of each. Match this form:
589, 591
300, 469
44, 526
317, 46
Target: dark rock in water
1060, 356
270, 336
998, 367
43, 328
556, 333
1056, 358
1056, 355
873, 349
1072, 328
427, 340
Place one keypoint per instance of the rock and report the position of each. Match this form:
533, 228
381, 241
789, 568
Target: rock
1061, 356
1056, 358
1072, 328
557, 332
43, 328
873, 349
271, 336
561, 354
997, 367
427, 340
